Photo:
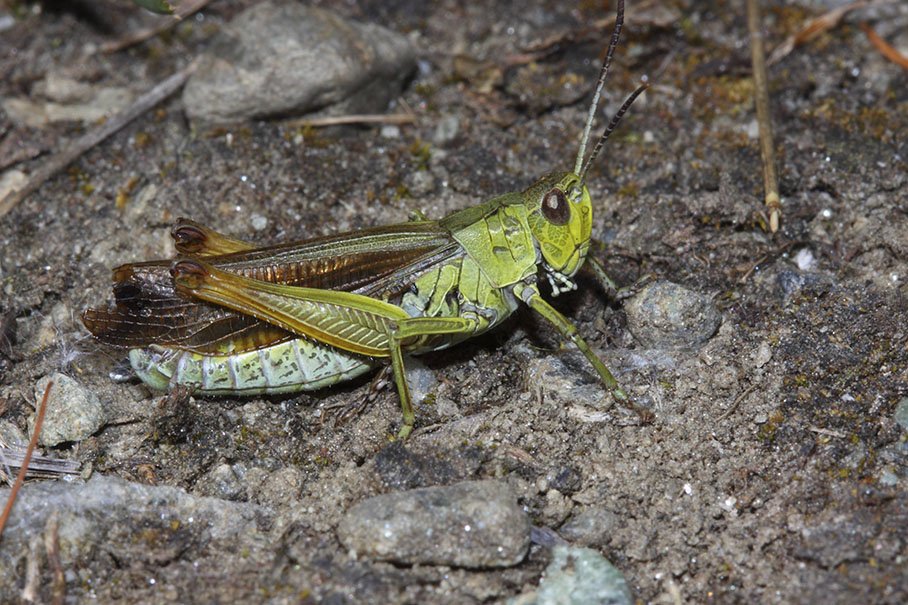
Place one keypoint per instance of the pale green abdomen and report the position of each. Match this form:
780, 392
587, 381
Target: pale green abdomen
287, 367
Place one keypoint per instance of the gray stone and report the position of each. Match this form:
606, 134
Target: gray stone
578, 576
73, 412
137, 525
421, 379
11, 435
420, 183
901, 413
470, 524
591, 527
289, 59
446, 129
227, 481
664, 314
790, 283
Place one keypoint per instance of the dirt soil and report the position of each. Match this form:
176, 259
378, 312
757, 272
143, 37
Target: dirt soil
775, 470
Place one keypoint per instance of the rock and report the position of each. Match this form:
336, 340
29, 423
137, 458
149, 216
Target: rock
11, 436
566, 382
539, 86
901, 413
556, 510
288, 59
10, 181
421, 379
420, 183
446, 129
139, 526
226, 481
591, 527
471, 524
791, 283
567, 480
73, 412
578, 576
389, 131
664, 314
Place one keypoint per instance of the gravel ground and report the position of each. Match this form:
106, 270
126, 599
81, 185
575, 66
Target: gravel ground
775, 469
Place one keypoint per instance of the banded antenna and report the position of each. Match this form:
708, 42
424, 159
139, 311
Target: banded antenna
644, 84
581, 167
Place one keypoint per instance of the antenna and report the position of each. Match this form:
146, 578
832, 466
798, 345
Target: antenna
644, 84
603, 73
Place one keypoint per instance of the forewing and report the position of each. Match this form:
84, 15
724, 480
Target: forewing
148, 309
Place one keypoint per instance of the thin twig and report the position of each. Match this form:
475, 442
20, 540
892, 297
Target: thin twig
52, 549
389, 118
131, 38
32, 570
753, 268
884, 48
735, 403
74, 149
772, 254
761, 100
828, 432
28, 455
812, 29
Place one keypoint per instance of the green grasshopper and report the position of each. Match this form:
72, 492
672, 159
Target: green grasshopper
228, 317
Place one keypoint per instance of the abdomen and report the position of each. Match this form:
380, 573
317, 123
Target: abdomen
287, 367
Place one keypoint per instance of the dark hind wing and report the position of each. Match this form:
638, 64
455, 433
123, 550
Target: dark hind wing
148, 310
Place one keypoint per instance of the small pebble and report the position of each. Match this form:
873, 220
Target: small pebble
226, 481
11, 435
791, 283
420, 183
591, 527
421, 379
73, 412
258, 222
805, 260
901, 413
578, 576
11, 180
763, 354
446, 129
280, 488
390, 131
664, 314
753, 129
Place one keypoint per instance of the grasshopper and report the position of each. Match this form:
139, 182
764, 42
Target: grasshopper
228, 317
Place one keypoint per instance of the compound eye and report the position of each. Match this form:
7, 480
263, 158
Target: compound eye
555, 207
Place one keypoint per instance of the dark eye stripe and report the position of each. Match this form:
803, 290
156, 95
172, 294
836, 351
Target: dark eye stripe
555, 207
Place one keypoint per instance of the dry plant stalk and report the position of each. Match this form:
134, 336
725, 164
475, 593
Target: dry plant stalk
28, 455
761, 100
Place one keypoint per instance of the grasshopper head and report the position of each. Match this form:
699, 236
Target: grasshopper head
559, 209
560, 214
